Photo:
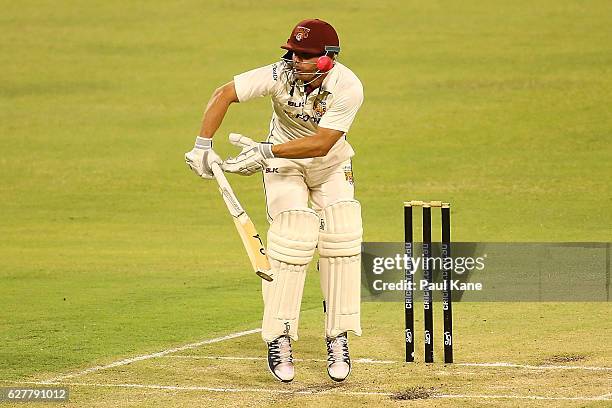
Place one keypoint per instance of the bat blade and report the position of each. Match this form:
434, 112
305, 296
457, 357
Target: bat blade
246, 229
253, 245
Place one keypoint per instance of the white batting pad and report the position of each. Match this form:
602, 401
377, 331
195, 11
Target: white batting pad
340, 266
341, 229
292, 239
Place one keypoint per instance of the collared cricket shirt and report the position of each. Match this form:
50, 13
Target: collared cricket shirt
333, 105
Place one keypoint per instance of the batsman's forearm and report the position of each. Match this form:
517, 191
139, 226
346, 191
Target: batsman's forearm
213, 116
216, 109
301, 148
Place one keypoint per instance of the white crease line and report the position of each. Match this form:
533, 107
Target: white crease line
332, 391
202, 388
525, 397
356, 360
372, 361
153, 355
534, 367
218, 358
608, 395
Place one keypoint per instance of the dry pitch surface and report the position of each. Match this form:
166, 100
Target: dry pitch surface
512, 362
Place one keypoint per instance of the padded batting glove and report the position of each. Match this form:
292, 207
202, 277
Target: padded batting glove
201, 158
251, 159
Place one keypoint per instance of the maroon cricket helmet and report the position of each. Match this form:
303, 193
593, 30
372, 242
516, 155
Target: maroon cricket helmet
314, 36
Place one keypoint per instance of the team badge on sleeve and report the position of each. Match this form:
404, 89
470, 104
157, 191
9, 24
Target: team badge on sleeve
348, 174
319, 105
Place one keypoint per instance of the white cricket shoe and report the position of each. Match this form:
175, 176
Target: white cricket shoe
280, 360
338, 360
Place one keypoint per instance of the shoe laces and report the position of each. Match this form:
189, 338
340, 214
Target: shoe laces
337, 349
280, 350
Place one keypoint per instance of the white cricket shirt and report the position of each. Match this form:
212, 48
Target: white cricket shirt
333, 106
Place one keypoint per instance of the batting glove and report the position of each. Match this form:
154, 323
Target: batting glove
251, 159
201, 158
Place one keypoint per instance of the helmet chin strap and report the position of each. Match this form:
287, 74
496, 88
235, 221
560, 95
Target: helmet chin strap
316, 75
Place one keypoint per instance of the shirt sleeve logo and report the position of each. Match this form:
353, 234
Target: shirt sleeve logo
348, 174
301, 33
319, 105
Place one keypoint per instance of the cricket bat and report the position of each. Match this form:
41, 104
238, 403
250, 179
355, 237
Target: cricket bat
246, 229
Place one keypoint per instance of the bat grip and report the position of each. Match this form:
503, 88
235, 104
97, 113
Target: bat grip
221, 180
232, 203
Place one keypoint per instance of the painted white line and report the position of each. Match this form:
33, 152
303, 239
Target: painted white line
333, 391
372, 361
534, 367
523, 397
606, 396
208, 389
318, 360
218, 358
153, 355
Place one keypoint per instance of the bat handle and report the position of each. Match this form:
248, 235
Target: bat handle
218, 173
264, 276
232, 203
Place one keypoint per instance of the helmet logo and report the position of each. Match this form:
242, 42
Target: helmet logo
301, 33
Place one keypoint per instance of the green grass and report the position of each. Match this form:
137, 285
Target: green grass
110, 247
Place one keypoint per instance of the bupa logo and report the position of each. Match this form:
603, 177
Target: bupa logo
301, 33
272, 170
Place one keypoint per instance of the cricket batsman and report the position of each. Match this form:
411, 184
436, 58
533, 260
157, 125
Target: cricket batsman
308, 185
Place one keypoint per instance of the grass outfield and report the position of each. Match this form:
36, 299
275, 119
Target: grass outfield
110, 248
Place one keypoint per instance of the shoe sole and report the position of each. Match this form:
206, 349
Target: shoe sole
277, 377
340, 380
